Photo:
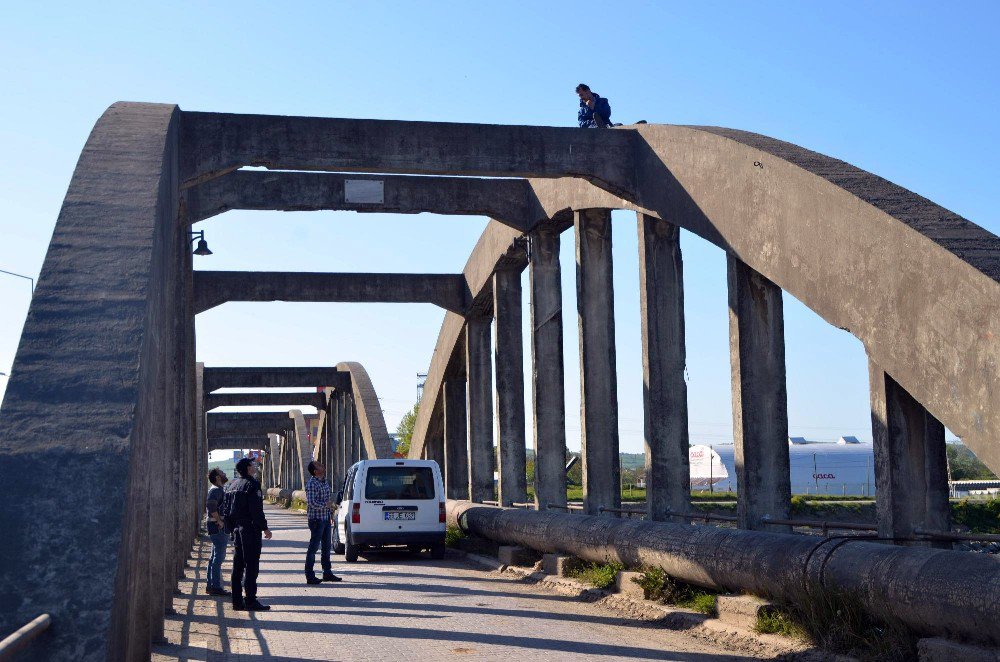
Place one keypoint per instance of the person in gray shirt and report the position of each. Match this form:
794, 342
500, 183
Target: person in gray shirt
216, 531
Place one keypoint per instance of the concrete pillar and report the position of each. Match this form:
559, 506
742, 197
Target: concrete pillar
760, 401
456, 440
202, 439
911, 465
357, 444
598, 377
343, 427
352, 434
548, 395
508, 348
664, 391
335, 469
479, 397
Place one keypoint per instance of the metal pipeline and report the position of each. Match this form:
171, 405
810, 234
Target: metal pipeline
932, 591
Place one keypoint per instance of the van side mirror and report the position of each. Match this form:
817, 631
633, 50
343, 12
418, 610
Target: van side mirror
340, 496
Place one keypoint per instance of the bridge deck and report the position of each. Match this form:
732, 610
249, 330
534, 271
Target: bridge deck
398, 607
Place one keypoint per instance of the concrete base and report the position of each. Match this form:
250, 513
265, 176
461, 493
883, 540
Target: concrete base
557, 564
943, 650
741, 611
625, 585
476, 545
513, 555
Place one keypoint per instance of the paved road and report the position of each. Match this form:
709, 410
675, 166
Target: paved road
393, 606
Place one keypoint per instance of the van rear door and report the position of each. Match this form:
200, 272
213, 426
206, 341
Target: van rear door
401, 497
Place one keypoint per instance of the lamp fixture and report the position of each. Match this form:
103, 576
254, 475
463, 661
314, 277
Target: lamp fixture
202, 247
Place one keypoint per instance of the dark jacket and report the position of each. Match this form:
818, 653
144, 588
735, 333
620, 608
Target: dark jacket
212, 505
586, 115
247, 503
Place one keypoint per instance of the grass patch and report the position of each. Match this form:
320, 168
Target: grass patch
781, 621
452, 535
658, 586
600, 575
980, 516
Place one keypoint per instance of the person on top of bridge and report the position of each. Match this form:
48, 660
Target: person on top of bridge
243, 512
216, 531
320, 516
595, 110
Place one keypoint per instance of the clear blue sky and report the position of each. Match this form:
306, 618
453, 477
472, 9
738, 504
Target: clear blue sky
906, 90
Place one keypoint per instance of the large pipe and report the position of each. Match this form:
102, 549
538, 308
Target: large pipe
930, 590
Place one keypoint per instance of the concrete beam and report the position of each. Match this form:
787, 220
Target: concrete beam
456, 439
665, 415
213, 144
214, 400
595, 300
911, 465
241, 422
760, 401
509, 361
479, 396
507, 200
214, 288
255, 442
548, 395
216, 378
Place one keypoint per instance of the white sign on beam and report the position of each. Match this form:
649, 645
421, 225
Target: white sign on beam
364, 191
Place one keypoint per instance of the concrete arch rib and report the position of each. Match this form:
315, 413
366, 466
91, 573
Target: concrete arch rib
916, 283
373, 430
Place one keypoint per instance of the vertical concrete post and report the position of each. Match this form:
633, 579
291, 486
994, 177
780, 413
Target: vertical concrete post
456, 440
911, 472
760, 401
201, 438
508, 348
598, 377
344, 427
479, 396
352, 422
333, 424
664, 391
548, 395
357, 443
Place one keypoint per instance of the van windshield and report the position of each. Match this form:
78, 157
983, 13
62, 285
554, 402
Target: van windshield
399, 483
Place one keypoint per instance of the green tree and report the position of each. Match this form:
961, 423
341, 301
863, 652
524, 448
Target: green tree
404, 430
965, 465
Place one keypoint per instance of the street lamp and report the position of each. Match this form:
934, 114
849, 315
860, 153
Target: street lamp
11, 273
202, 248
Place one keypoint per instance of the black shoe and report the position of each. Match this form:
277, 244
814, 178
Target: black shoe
313, 580
330, 577
255, 605
218, 591
239, 606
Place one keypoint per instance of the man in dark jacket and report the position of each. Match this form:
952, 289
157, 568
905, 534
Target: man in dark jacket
216, 531
244, 513
595, 110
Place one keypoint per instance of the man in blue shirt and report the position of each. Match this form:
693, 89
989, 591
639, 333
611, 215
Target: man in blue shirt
216, 531
320, 518
595, 110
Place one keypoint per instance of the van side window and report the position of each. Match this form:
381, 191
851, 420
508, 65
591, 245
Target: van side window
349, 484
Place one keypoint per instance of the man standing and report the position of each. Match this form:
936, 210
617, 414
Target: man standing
216, 531
244, 513
595, 110
320, 520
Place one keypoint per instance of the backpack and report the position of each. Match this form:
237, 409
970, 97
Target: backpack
227, 510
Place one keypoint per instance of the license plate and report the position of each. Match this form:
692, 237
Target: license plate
403, 515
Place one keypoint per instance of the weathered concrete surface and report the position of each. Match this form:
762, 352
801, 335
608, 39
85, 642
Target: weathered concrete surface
217, 143
456, 439
214, 288
741, 611
254, 441
595, 302
507, 200
248, 421
760, 401
557, 564
479, 394
372, 430
269, 377
664, 360
83, 400
932, 591
625, 584
911, 465
548, 388
515, 555
943, 650
508, 348
214, 400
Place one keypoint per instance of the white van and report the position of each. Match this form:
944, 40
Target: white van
391, 502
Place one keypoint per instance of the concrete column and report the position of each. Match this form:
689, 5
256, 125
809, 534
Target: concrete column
343, 427
508, 348
352, 433
357, 443
456, 440
760, 402
479, 396
201, 437
333, 423
911, 470
664, 391
598, 377
548, 396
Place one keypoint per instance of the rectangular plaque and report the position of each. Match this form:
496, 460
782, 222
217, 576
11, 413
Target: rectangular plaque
364, 191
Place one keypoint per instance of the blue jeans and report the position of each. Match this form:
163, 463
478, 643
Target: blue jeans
319, 535
219, 541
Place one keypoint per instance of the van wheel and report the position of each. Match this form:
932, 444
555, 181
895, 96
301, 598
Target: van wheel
338, 547
351, 553
437, 552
